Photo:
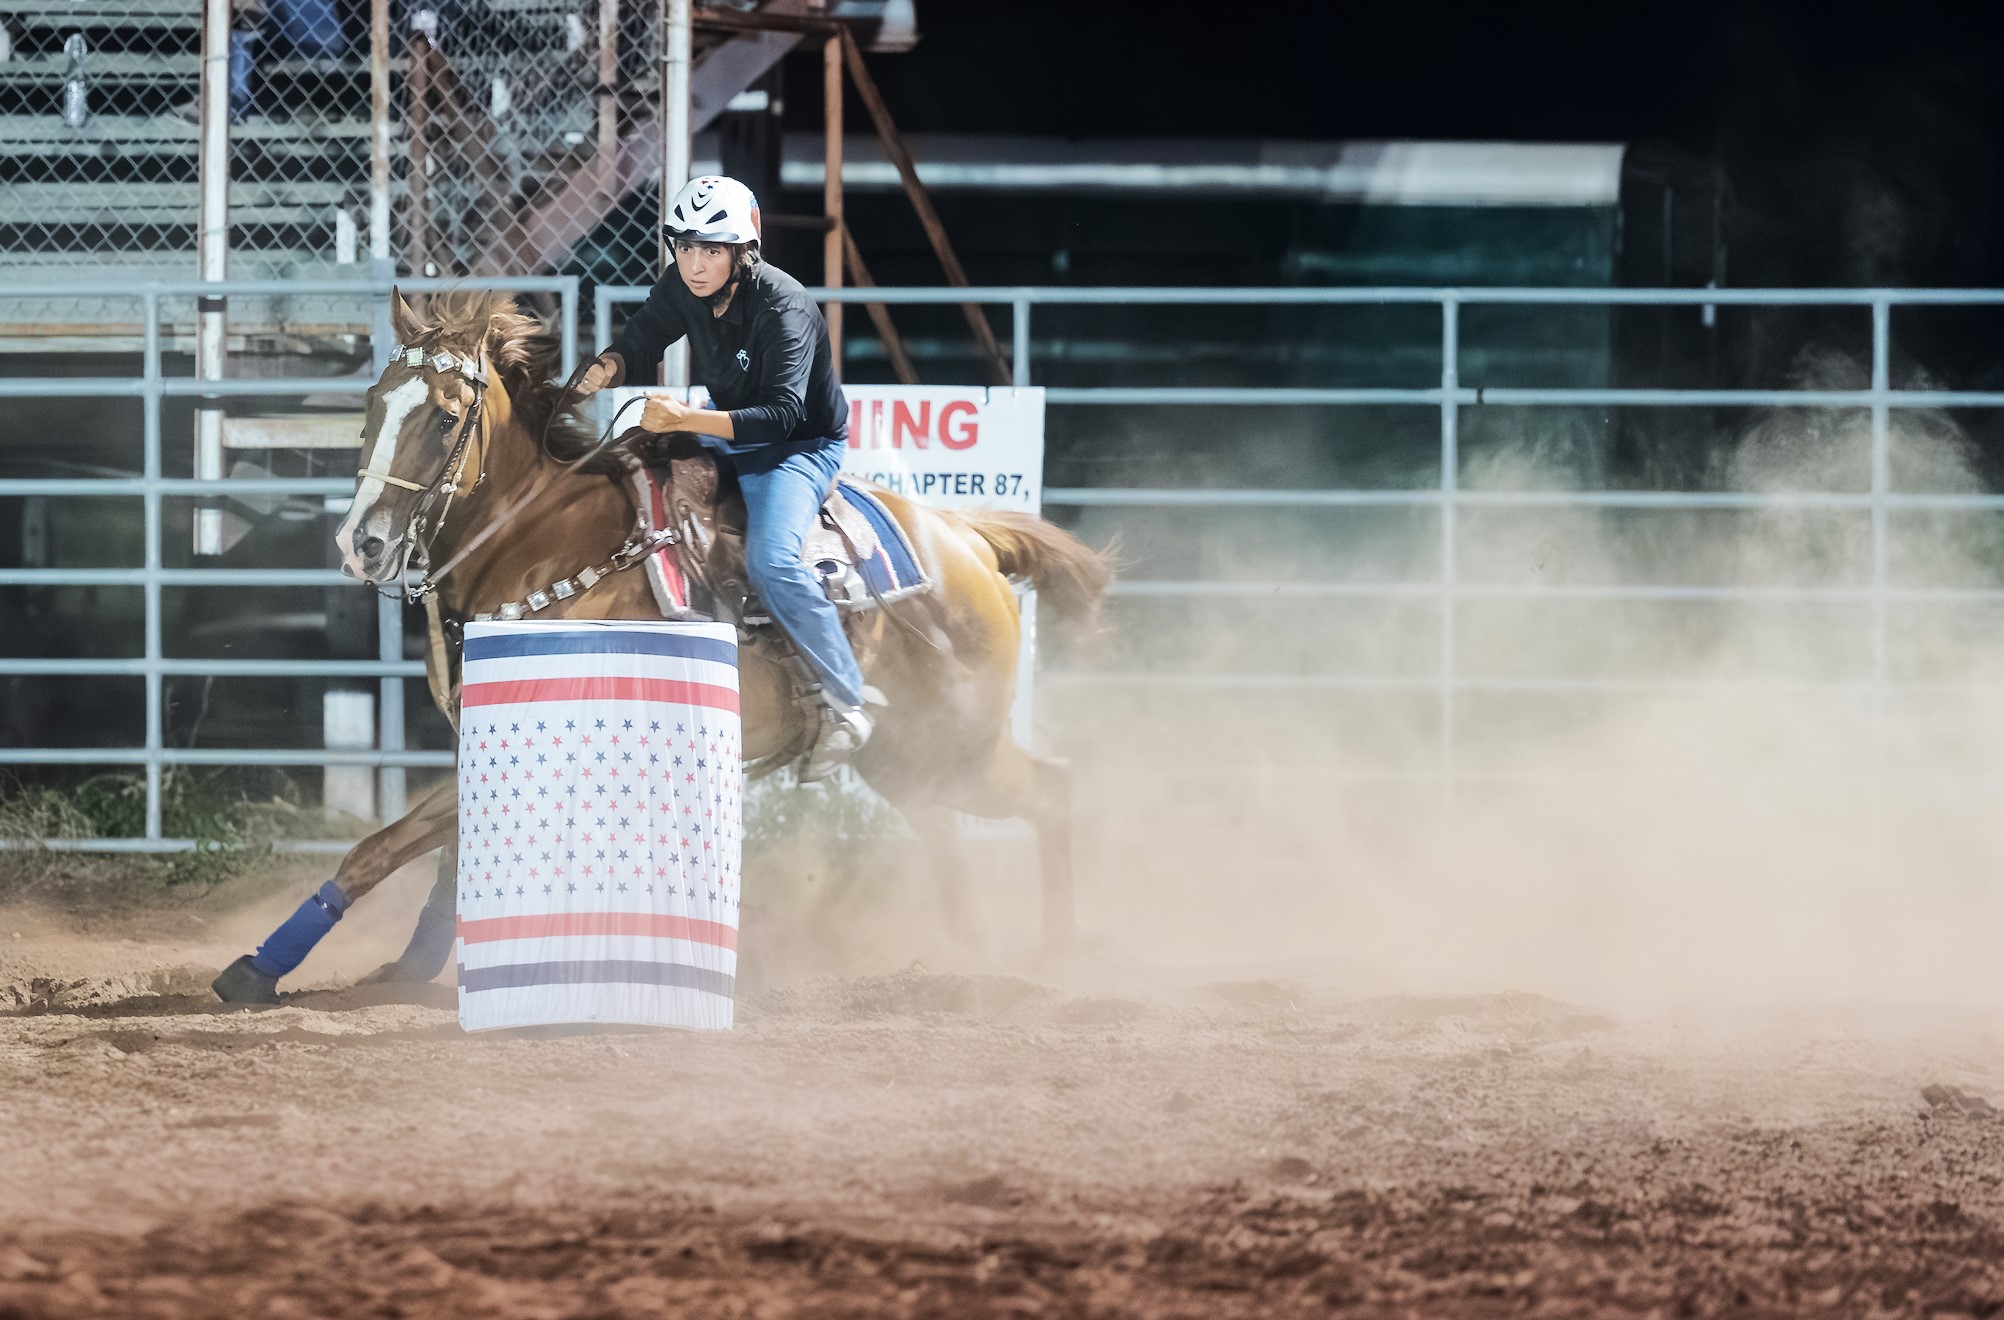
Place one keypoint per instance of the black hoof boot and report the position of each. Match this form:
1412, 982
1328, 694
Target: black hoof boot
243, 983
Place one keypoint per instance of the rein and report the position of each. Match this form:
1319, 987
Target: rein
548, 479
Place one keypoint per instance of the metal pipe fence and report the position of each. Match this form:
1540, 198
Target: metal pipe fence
151, 387
1448, 397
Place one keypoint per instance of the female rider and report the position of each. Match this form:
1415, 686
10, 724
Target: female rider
759, 344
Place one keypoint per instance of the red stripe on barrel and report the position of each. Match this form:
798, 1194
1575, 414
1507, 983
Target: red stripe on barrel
601, 688
654, 925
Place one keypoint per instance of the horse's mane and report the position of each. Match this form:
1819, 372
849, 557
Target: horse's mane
525, 353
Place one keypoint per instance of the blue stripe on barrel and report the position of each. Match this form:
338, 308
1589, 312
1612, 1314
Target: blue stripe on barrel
601, 642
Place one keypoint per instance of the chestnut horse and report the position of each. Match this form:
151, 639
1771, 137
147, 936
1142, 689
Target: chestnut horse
453, 443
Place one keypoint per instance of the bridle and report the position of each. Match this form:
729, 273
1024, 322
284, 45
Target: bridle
424, 529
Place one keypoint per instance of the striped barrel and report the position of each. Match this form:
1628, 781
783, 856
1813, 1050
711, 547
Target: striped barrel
601, 790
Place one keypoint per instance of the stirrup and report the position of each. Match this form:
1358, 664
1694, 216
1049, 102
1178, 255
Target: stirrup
840, 736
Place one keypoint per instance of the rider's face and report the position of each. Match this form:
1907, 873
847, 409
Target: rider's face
705, 267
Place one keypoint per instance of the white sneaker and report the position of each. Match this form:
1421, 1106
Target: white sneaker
841, 736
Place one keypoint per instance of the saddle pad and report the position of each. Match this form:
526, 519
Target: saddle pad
893, 571
601, 785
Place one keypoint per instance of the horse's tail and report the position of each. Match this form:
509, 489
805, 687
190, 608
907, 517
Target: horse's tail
1067, 572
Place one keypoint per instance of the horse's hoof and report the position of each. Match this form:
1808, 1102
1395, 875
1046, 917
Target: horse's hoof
242, 983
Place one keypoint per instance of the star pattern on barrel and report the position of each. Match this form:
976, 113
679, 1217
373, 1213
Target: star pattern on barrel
658, 816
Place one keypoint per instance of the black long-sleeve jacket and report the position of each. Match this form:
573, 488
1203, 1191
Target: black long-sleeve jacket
766, 361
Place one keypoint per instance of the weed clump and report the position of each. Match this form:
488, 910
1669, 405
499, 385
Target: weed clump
231, 815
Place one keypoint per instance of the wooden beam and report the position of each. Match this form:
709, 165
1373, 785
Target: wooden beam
880, 315
831, 188
417, 124
935, 232
606, 157
457, 120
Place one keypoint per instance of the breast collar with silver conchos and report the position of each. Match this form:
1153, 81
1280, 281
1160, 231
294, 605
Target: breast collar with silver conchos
424, 529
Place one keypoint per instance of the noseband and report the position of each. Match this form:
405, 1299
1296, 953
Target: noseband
424, 529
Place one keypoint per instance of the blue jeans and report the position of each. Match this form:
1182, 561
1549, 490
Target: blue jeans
307, 29
311, 27
781, 502
243, 59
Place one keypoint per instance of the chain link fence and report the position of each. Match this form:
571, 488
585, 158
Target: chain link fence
531, 131
525, 138
99, 147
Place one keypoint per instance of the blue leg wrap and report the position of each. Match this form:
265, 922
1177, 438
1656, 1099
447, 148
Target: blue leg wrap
288, 946
437, 926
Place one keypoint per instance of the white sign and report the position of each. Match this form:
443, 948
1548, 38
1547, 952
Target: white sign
948, 446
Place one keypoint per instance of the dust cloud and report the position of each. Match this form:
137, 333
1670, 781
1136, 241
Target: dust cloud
1722, 808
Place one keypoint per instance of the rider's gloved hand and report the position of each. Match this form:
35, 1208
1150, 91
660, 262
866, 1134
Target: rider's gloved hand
608, 370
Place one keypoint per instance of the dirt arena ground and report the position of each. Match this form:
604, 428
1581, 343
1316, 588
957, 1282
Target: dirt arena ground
1093, 1138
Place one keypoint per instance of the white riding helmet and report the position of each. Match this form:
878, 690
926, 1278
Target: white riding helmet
714, 209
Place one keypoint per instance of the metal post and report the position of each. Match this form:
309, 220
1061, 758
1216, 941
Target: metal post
567, 325
1023, 724
1450, 464
379, 129
389, 618
1020, 357
381, 268
382, 335
1882, 484
1882, 480
390, 706
150, 469
675, 62
831, 187
213, 237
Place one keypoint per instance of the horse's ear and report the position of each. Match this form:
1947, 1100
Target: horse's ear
402, 319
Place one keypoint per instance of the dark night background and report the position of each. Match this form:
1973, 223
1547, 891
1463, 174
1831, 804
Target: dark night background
1846, 146
1859, 143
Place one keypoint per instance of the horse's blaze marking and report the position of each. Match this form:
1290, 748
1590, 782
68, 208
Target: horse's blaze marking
398, 405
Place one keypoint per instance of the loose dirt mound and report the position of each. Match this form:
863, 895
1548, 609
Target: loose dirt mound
924, 1143
1236, 1251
